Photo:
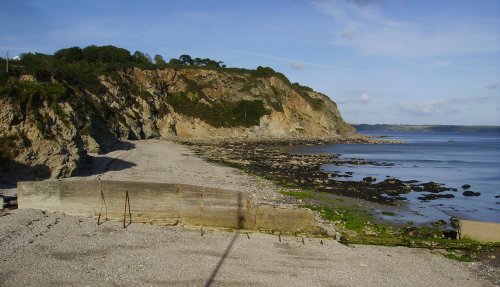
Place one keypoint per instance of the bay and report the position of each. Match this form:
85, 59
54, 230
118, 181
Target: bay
450, 158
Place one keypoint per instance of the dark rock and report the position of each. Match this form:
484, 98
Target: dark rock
433, 196
393, 186
465, 186
471, 193
416, 188
369, 179
439, 223
433, 187
450, 234
454, 222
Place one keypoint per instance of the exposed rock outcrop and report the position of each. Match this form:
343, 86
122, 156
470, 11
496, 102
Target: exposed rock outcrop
55, 120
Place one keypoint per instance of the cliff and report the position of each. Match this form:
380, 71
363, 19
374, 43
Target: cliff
56, 109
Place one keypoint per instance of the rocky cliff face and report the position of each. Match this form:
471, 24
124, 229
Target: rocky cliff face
52, 123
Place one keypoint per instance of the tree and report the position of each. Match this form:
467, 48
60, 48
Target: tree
159, 61
141, 58
186, 60
69, 55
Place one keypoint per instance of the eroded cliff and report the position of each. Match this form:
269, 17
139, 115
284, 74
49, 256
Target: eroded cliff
55, 112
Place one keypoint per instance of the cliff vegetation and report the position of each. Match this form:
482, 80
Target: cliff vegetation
57, 108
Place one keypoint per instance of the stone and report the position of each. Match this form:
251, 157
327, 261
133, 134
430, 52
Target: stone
439, 223
432, 196
465, 186
433, 187
369, 179
471, 193
454, 222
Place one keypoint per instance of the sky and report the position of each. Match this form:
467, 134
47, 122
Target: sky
381, 61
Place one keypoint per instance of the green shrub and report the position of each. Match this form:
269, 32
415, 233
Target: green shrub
219, 114
8, 149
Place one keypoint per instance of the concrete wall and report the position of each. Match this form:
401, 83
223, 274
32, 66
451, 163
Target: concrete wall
480, 231
164, 204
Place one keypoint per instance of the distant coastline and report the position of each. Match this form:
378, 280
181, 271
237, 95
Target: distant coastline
426, 128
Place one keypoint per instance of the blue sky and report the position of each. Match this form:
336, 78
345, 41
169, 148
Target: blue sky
382, 61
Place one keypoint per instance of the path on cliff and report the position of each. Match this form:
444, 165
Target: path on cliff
52, 249
168, 162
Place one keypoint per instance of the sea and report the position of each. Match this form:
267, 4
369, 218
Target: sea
451, 158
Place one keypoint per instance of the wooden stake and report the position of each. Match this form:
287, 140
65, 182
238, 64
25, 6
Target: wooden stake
105, 208
127, 203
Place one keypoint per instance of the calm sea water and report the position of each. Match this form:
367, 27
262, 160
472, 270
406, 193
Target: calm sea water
453, 159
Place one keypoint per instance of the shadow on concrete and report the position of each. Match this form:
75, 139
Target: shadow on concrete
95, 165
217, 268
120, 145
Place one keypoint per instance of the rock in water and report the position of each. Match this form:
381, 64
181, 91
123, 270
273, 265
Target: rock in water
471, 193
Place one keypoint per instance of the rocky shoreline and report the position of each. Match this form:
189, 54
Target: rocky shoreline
271, 161
288, 141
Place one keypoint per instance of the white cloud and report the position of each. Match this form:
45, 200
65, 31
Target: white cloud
437, 106
427, 108
289, 60
297, 66
363, 99
493, 86
367, 29
442, 64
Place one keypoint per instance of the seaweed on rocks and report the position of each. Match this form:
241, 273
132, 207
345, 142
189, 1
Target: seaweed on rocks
305, 170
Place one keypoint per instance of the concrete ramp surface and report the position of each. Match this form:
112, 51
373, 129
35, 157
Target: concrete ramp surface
164, 204
480, 231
